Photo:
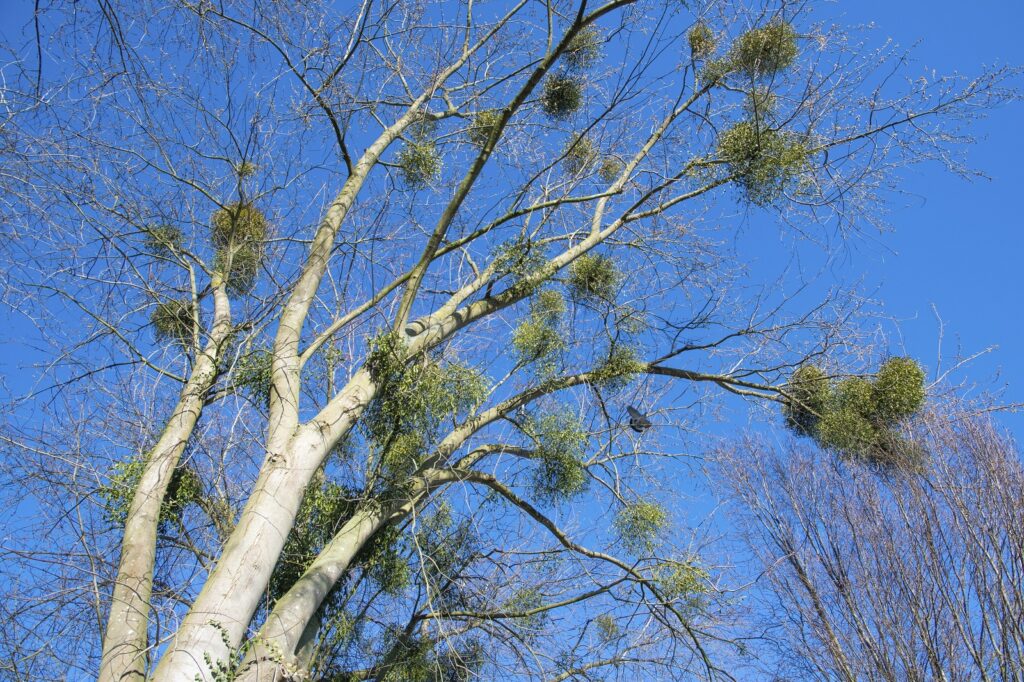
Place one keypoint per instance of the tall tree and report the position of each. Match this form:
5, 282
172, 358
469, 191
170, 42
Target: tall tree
359, 322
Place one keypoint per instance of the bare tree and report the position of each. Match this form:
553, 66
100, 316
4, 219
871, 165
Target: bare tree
339, 312
891, 574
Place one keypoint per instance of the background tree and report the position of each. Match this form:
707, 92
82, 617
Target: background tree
900, 574
341, 310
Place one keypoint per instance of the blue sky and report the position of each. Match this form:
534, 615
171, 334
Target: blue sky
957, 245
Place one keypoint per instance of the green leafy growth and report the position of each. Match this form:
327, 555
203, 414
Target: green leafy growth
518, 258
164, 239
857, 416
898, 390
702, 41
538, 338
238, 233
419, 163
678, 580
227, 669
414, 396
607, 627
172, 321
324, 509
580, 154
527, 599
245, 169
610, 169
765, 51
562, 96
409, 660
560, 443
484, 124
619, 368
593, 277
584, 50
116, 494
809, 395
253, 373
765, 161
639, 524
385, 561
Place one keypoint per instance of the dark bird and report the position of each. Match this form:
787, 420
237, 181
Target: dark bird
638, 421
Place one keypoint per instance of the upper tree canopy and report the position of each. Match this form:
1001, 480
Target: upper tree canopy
349, 310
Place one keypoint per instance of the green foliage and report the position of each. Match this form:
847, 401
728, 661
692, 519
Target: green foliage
562, 96
538, 337
253, 373
164, 239
484, 124
681, 580
116, 494
385, 561
579, 155
619, 368
245, 169
560, 442
324, 509
173, 320
238, 232
584, 50
518, 258
228, 670
702, 41
809, 394
898, 391
414, 396
610, 169
524, 600
607, 628
409, 660
638, 525
763, 52
593, 277
765, 161
857, 416
419, 163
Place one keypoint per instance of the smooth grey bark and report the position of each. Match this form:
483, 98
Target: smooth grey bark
125, 644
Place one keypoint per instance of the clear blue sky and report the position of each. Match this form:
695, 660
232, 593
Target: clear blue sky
957, 245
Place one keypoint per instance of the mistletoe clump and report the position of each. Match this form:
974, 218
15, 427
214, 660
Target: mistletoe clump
763, 52
584, 50
620, 366
580, 154
164, 239
593, 277
610, 169
116, 494
560, 440
238, 232
639, 524
419, 163
538, 336
253, 373
702, 41
562, 96
765, 161
857, 416
172, 321
414, 396
484, 125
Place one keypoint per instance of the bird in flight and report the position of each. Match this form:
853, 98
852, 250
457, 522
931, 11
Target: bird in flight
638, 421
